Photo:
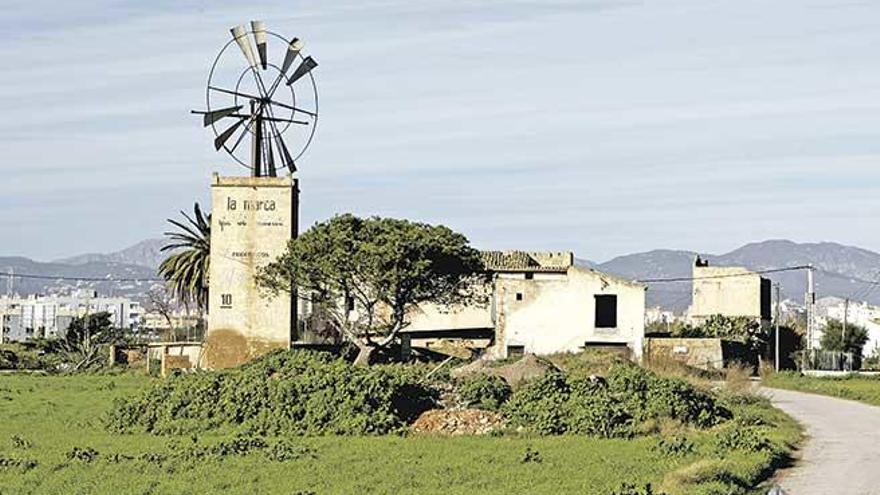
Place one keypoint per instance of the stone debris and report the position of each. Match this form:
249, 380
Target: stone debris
459, 422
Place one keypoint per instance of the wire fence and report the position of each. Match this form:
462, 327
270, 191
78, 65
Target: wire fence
818, 359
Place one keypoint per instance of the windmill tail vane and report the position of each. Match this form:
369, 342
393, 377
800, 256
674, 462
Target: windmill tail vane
249, 95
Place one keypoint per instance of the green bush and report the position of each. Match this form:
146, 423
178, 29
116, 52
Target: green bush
558, 404
540, 405
650, 396
746, 438
484, 391
26, 357
593, 410
293, 392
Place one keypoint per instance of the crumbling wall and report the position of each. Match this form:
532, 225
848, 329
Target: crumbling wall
701, 353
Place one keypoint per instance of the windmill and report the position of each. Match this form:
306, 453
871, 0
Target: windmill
250, 96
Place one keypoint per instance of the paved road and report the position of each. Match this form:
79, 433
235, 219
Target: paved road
842, 451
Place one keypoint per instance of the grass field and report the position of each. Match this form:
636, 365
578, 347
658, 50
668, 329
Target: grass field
52, 441
854, 387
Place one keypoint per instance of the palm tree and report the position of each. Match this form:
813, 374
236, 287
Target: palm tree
186, 271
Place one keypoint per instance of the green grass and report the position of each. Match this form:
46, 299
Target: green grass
861, 388
50, 416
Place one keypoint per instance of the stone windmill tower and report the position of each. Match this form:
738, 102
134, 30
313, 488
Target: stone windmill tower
262, 106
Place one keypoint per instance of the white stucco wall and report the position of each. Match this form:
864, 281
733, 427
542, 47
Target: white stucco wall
735, 291
459, 317
557, 312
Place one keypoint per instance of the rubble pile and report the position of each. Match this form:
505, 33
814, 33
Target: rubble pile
457, 422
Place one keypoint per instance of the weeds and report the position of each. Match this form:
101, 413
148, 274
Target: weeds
484, 391
674, 446
620, 406
285, 392
531, 456
18, 442
80, 454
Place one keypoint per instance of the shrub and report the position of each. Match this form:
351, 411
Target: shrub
86, 454
746, 438
484, 391
631, 396
630, 489
539, 405
26, 357
674, 446
650, 396
295, 392
531, 456
593, 410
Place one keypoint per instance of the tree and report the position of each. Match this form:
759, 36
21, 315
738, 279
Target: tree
85, 338
369, 274
872, 359
158, 300
161, 300
186, 271
740, 328
854, 340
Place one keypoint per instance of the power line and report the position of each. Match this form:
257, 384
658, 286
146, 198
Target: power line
848, 277
79, 279
729, 275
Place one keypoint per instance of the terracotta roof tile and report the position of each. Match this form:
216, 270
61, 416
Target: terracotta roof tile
517, 261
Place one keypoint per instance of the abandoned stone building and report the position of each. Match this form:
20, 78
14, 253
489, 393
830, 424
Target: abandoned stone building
541, 303
729, 291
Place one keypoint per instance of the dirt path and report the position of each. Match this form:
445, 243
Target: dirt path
842, 451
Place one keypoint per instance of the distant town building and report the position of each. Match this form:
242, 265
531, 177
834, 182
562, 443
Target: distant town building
154, 320
729, 291
23, 318
857, 313
657, 314
539, 303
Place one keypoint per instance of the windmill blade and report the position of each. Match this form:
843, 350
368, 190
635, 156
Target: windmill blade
215, 115
224, 136
292, 51
259, 29
304, 68
285, 155
239, 34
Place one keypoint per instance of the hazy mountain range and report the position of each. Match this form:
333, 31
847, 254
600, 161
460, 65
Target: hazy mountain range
145, 253
842, 271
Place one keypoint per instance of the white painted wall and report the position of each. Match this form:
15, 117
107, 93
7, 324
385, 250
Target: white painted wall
557, 312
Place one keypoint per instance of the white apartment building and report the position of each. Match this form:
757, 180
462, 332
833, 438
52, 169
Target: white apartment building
23, 318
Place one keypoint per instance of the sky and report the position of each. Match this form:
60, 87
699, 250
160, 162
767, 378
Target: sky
601, 127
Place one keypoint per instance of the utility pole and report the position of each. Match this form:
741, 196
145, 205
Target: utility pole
845, 317
776, 360
810, 305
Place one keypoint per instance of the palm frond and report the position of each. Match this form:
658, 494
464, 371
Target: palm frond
186, 270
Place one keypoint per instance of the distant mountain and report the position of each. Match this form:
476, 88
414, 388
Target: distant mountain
145, 253
109, 271
585, 263
840, 270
